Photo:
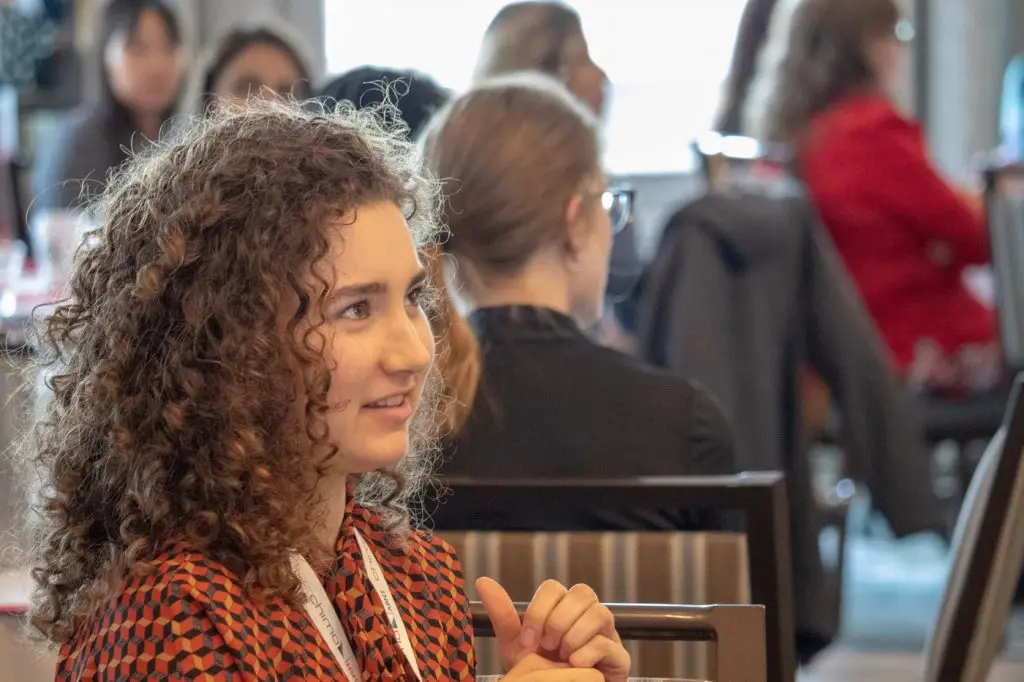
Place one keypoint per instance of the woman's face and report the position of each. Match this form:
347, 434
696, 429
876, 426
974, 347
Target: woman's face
378, 340
593, 245
259, 67
145, 68
582, 76
886, 56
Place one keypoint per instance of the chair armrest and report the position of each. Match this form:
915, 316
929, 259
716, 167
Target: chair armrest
738, 632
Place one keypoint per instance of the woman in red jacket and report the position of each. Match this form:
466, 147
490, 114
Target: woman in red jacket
905, 234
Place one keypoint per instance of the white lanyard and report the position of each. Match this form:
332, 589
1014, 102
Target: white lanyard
321, 611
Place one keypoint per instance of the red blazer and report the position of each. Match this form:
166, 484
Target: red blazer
903, 232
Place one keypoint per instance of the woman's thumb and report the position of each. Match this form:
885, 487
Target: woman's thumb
500, 610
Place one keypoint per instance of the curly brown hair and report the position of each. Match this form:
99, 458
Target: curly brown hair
826, 59
171, 420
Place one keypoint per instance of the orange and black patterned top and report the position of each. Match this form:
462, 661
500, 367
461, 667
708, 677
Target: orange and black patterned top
190, 620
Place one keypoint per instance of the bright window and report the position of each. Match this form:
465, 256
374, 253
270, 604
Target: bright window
666, 59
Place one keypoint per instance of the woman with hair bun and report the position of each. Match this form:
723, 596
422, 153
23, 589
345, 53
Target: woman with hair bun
531, 219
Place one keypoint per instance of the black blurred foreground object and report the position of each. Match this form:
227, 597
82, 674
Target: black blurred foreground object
988, 552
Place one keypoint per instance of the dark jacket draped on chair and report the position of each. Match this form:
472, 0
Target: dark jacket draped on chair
744, 291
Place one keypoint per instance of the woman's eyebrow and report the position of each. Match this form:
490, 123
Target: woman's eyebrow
418, 279
362, 289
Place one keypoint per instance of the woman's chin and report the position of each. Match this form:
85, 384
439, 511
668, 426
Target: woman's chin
381, 455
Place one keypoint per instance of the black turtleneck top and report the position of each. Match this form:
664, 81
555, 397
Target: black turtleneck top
551, 403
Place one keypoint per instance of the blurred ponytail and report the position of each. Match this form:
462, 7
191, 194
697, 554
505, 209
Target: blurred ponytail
458, 352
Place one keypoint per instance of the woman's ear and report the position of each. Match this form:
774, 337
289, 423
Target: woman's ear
575, 226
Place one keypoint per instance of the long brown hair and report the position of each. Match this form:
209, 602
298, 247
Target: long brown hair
457, 352
511, 153
826, 59
173, 383
750, 39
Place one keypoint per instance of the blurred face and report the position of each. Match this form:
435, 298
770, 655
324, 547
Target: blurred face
145, 68
378, 339
582, 76
886, 56
257, 68
590, 235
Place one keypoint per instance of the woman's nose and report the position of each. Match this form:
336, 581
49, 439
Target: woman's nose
409, 348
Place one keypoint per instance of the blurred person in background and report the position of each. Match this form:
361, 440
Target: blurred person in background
531, 219
548, 37
250, 61
416, 96
142, 65
905, 234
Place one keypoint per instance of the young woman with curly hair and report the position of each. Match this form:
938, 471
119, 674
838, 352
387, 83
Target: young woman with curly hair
242, 398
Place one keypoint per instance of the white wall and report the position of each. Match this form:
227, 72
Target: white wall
970, 44
1016, 27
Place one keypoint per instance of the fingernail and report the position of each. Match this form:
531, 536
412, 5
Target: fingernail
549, 642
528, 638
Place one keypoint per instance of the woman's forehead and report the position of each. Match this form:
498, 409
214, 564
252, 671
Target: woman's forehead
373, 243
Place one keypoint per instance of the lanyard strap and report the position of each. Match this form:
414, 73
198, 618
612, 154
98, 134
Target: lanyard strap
321, 612
380, 585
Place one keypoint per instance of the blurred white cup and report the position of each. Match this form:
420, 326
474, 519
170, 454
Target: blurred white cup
12, 261
56, 236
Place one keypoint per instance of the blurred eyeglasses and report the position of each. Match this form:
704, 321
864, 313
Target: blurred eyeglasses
905, 31
618, 202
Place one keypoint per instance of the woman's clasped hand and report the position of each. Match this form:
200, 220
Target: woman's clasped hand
565, 635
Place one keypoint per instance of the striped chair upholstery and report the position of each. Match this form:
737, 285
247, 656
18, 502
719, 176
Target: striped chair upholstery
628, 567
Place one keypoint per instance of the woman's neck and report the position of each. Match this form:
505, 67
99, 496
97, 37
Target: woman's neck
148, 124
539, 284
331, 489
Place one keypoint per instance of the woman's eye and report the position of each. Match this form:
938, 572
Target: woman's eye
356, 311
415, 296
